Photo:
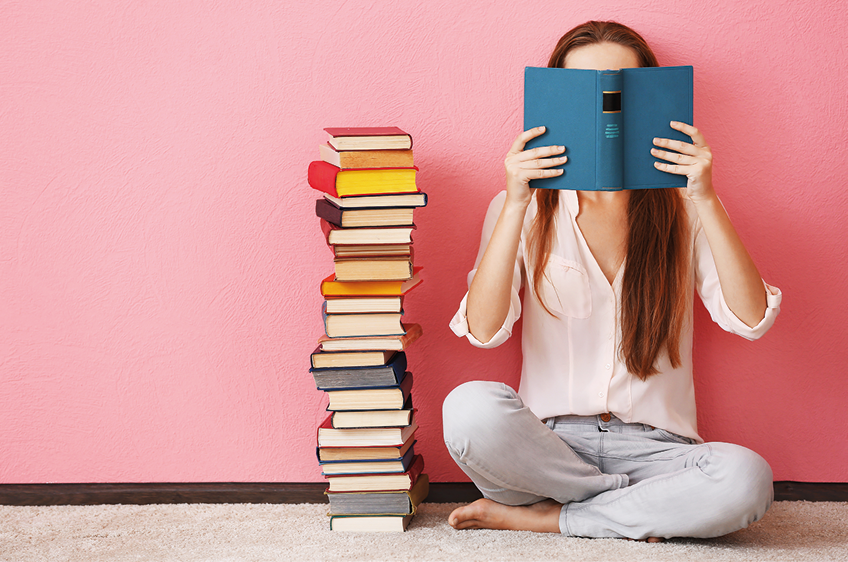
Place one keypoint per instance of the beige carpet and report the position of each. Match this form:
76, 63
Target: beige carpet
213, 532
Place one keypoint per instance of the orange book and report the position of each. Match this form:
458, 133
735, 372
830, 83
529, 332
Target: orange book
332, 288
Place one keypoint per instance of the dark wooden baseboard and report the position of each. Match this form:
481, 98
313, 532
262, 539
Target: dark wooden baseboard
291, 492
811, 491
197, 492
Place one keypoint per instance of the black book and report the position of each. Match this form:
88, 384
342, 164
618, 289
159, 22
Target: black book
389, 374
367, 216
379, 503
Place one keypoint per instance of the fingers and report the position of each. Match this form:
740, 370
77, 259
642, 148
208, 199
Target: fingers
539, 152
698, 140
524, 175
524, 138
673, 156
671, 168
543, 173
690, 131
522, 165
687, 158
531, 168
517, 147
684, 165
680, 146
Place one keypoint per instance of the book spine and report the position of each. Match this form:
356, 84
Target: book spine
610, 143
322, 176
329, 212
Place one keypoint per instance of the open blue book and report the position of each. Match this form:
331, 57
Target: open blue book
607, 120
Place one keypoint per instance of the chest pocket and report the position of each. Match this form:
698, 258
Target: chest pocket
565, 288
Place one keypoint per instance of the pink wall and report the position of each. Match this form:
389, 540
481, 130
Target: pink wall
159, 257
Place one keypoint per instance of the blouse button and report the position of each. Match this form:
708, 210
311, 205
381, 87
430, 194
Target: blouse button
607, 366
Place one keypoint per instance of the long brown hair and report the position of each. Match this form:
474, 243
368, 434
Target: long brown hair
656, 266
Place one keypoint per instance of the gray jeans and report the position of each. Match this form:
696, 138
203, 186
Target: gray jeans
615, 479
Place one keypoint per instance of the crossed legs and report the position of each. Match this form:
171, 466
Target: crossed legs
546, 477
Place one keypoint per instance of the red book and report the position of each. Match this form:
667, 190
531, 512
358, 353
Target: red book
334, 181
369, 138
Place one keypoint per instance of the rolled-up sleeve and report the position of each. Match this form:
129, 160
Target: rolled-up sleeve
459, 322
709, 289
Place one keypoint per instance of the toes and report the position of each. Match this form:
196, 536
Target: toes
460, 516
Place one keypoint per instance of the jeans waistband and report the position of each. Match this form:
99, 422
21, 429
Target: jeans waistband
598, 420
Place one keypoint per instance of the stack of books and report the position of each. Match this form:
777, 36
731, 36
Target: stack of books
366, 446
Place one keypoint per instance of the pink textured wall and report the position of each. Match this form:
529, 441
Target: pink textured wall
159, 257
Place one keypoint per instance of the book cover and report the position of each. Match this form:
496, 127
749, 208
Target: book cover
374, 268
363, 217
330, 179
378, 482
607, 120
328, 436
418, 199
349, 305
368, 138
362, 325
334, 235
332, 288
348, 159
336, 360
346, 454
380, 503
369, 467
364, 131
374, 418
361, 377
398, 343
370, 250
370, 523
387, 398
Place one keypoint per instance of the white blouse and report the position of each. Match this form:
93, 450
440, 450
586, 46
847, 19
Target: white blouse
571, 363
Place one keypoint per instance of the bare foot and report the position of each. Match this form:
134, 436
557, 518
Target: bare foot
542, 517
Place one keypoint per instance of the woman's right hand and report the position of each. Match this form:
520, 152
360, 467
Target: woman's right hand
525, 165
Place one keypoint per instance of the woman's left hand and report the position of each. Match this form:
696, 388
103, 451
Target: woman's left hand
695, 161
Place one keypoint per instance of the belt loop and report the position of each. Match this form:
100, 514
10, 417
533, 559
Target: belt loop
602, 420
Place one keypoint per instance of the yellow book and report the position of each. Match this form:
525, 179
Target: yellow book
330, 179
